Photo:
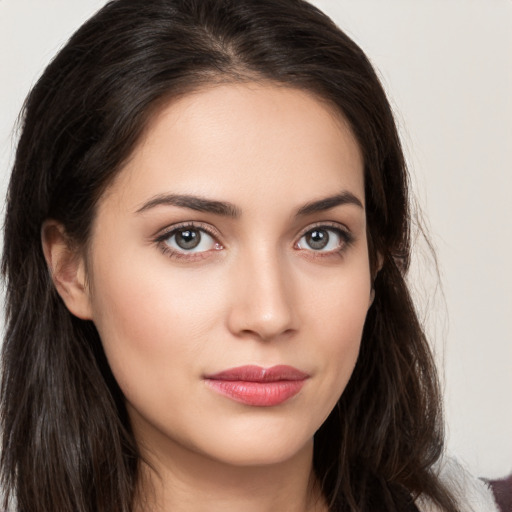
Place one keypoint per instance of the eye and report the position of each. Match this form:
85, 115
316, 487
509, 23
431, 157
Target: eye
324, 239
189, 240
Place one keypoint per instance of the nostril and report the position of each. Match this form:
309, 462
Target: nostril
249, 320
262, 302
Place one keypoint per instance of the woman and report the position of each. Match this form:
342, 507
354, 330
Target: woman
206, 239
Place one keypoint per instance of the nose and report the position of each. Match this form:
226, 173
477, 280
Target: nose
262, 304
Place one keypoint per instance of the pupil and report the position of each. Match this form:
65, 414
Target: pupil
318, 239
188, 239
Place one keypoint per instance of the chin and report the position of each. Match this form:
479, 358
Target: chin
264, 448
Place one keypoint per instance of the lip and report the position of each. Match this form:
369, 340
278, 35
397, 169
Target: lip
257, 386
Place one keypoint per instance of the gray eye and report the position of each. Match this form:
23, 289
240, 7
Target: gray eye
322, 239
188, 239
317, 239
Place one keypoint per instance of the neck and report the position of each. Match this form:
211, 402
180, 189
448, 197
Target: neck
180, 481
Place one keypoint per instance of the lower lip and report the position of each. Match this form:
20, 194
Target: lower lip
259, 394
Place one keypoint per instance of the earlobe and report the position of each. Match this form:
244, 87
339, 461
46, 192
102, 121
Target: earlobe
67, 269
372, 297
380, 263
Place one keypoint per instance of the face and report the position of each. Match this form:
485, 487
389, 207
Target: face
229, 273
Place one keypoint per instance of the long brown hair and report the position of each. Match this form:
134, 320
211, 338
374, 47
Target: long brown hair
67, 444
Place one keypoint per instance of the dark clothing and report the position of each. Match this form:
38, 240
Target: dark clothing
502, 490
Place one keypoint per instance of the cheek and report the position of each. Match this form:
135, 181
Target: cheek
334, 316
152, 319
342, 331
335, 303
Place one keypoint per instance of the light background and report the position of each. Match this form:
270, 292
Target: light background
447, 67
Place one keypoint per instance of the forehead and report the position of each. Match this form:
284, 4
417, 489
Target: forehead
239, 141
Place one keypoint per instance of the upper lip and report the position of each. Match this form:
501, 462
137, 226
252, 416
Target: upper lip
253, 373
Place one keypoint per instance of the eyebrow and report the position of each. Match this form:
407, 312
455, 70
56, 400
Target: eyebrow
327, 203
227, 209
197, 203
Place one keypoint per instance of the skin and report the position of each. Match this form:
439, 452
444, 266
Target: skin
253, 292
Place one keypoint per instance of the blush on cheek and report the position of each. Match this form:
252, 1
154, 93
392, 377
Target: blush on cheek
151, 321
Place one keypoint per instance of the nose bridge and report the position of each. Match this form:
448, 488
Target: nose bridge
263, 299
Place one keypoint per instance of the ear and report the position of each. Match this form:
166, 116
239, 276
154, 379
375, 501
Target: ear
372, 297
67, 269
380, 263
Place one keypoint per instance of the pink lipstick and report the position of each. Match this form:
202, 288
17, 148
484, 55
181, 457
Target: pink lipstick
257, 386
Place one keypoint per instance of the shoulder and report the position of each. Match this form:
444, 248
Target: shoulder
471, 493
502, 490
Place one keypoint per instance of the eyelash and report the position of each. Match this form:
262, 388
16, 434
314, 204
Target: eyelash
347, 239
189, 256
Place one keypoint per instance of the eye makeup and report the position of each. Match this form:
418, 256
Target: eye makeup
325, 239
191, 241
194, 241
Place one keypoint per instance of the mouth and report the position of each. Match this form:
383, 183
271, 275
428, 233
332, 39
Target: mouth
257, 386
